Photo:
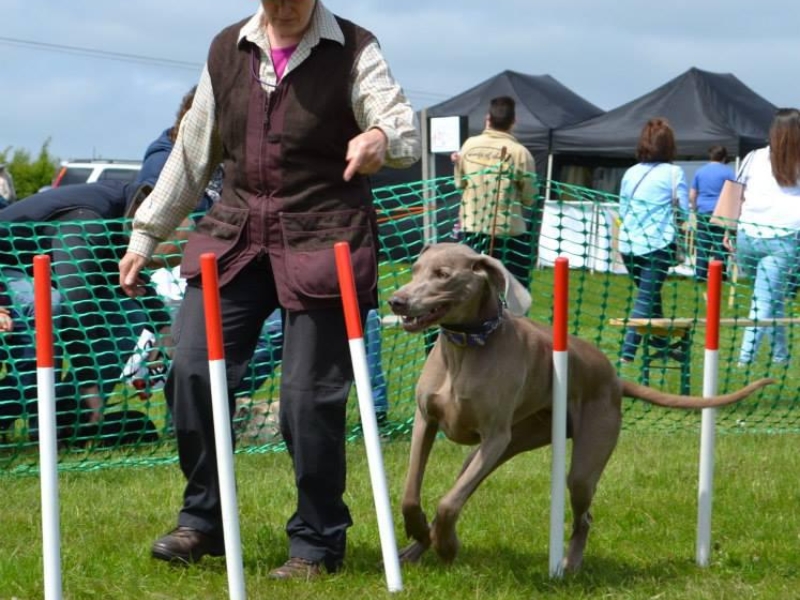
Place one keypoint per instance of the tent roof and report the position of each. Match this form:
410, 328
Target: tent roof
703, 108
543, 104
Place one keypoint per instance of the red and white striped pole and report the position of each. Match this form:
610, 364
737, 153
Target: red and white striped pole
369, 423
222, 427
707, 436
48, 443
559, 425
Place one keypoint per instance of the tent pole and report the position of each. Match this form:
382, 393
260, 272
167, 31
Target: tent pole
549, 176
428, 194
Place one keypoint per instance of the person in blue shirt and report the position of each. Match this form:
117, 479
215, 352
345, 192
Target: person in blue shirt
654, 198
703, 197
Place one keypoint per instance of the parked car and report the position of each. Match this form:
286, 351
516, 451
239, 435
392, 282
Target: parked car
88, 171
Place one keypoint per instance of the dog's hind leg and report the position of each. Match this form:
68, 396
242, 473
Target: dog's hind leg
594, 441
423, 435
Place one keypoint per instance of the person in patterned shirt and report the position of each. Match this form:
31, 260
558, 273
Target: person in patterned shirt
301, 107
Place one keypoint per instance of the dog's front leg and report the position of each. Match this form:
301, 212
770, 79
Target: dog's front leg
482, 463
416, 523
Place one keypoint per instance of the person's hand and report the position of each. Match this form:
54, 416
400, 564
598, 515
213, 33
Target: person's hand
6, 322
454, 158
365, 153
728, 243
129, 268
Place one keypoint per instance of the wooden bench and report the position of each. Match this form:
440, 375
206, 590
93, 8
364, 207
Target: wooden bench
681, 330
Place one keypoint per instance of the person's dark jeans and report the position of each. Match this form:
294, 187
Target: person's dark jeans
515, 252
708, 245
648, 272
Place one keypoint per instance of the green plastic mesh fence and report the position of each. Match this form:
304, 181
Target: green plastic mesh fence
113, 352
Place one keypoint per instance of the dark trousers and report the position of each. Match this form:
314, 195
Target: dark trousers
515, 252
648, 272
316, 377
708, 245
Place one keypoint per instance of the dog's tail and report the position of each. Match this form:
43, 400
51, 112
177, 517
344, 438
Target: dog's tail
648, 394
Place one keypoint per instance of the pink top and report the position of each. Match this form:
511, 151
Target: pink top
280, 58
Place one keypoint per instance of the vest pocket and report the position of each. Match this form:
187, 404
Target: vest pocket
309, 260
217, 232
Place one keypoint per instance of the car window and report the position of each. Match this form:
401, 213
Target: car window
74, 175
118, 175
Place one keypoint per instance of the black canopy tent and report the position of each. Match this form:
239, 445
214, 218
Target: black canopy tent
543, 104
703, 108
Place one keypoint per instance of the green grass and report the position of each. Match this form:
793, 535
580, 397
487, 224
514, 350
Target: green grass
642, 544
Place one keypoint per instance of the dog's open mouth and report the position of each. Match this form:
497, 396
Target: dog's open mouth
416, 323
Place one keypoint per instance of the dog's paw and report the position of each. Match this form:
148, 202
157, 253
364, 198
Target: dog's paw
446, 546
416, 523
412, 553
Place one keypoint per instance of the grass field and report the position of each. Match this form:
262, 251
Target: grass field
642, 544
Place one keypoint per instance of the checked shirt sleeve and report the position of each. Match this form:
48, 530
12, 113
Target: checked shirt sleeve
183, 180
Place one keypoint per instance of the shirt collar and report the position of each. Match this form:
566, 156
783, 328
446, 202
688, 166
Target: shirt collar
323, 26
497, 133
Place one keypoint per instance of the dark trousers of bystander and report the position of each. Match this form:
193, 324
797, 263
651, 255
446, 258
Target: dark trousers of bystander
708, 245
648, 272
515, 252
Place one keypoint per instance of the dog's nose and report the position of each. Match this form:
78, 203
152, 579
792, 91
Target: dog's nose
397, 303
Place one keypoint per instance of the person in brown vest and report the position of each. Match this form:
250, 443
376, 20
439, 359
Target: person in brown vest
301, 107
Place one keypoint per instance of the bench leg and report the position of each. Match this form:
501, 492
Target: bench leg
646, 359
686, 364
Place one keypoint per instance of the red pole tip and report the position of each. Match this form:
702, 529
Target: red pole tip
208, 272
560, 303
347, 286
713, 304
43, 311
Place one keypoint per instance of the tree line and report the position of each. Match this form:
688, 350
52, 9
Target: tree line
30, 173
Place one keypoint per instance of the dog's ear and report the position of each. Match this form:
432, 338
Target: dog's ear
518, 299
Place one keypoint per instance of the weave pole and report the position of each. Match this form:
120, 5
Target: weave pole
369, 423
222, 427
559, 425
707, 433
48, 443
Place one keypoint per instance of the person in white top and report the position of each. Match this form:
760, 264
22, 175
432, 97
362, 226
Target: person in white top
8, 195
768, 231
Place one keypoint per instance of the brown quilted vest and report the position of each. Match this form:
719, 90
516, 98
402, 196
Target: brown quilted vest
284, 155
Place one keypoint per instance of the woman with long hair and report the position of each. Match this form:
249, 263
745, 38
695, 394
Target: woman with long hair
767, 235
648, 233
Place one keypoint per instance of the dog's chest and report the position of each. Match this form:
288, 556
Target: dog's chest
460, 408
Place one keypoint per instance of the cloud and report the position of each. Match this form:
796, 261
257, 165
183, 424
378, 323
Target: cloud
609, 53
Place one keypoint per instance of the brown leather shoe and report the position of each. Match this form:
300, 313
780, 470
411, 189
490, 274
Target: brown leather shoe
187, 545
297, 568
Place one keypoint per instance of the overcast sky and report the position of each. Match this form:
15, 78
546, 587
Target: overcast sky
608, 52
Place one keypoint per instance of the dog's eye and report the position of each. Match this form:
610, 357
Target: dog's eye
441, 273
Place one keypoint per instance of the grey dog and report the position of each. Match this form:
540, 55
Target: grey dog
488, 382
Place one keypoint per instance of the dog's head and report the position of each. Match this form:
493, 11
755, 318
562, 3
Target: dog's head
453, 284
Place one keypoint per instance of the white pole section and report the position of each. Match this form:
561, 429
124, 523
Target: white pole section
369, 423
222, 427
